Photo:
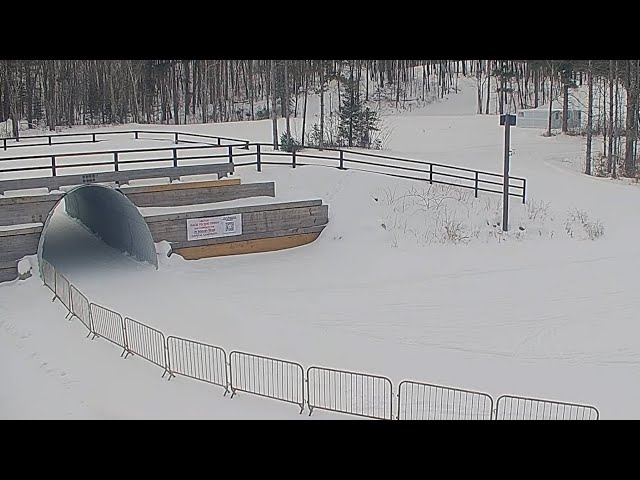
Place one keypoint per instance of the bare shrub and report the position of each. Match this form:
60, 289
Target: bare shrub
578, 224
537, 210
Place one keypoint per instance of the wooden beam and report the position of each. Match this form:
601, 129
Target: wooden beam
15, 244
249, 246
248, 237
8, 274
199, 195
121, 177
231, 210
179, 186
20, 231
27, 209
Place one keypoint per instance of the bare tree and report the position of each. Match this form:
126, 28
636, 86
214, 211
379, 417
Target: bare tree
550, 100
589, 119
304, 108
322, 88
287, 100
274, 117
631, 124
610, 163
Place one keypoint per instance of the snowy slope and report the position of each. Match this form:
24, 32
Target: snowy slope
550, 317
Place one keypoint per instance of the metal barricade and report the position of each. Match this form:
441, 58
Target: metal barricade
80, 308
108, 325
424, 401
267, 377
349, 392
146, 342
197, 360
510, 407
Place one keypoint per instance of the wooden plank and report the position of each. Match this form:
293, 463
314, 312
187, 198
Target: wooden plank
8, 274
248, 237
178, 186
121, 177
252, 222
250, 246
49, 197
231, 210
30, 209
21, 231
14, 247
194, 196
10, 264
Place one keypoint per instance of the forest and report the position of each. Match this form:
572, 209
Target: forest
54, 94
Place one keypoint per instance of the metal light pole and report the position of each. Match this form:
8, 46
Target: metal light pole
507, 120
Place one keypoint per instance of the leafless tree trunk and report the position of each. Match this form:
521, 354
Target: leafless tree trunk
321, 104
274, 117
176, 96
632, 95
610, 162
187, 92
479, 86
565, 105
589, 120
488, 85
287, 100
304, 108
550, 101
535, 89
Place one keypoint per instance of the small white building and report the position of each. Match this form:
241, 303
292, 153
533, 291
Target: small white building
539, 118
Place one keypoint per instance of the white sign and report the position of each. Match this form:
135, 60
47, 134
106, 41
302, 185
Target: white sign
214, 227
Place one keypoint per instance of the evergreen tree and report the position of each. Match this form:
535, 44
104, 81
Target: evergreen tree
356, 122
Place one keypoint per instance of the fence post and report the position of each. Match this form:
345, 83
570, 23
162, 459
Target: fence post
136, 134
476, 185
175, 139
4, 141
246, 146
53, 165
219, 141
230, 153
175, 157
524, 189
431, 173
115, 161
49, 136
93, 135
341, 160
259, 159
293, 159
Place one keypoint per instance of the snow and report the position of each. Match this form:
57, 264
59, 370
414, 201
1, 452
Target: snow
547, 316
26, 264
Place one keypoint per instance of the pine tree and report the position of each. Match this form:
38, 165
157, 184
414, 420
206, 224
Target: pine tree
356, 122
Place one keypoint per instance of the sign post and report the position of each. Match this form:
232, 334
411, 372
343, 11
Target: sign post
507, 120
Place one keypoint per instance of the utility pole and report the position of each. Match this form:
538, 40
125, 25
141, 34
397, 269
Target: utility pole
507, 120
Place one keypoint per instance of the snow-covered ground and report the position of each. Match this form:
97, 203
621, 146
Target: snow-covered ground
542, 314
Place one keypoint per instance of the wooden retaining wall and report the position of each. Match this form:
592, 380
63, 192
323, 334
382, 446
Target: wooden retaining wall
264, 228
15, 244
194, 193
29, 209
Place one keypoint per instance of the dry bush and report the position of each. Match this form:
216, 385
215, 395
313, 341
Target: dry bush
537, 210
578, 224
